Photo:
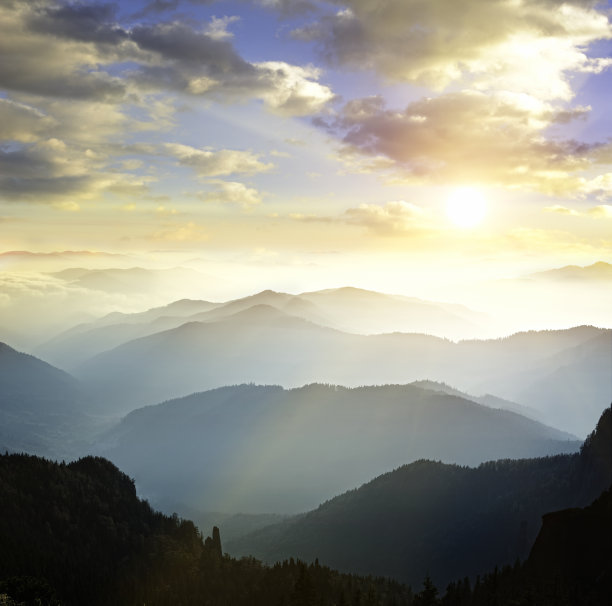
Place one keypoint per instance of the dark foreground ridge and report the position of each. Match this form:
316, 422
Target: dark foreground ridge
77, 534
570, 564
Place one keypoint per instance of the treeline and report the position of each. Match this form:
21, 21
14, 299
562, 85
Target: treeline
77, 534
570, 564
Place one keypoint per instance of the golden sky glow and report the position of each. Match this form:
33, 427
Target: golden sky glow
302, 144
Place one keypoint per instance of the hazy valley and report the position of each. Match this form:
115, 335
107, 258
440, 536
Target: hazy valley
255, 414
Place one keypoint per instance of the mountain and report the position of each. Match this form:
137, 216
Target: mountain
43, 410
573, 553
573, 383
77, 534
262, 344
443, 520
348, 309
486, 400
258, 449
570, 563
596, 272
369, 312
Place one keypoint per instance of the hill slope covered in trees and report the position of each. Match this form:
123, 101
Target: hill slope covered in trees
77, 534
445, 520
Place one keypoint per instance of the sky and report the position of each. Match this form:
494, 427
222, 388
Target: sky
399, 145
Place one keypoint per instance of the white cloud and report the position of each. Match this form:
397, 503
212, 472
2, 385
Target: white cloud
603, 211
393, 217
292, 90
217, 27
464, 137
208, 163
232, 192
525, 46
562, 210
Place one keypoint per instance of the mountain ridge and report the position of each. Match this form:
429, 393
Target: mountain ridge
448, 521
279, 449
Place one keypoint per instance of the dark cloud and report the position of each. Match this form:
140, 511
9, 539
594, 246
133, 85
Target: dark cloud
38, 189
156, 7
188, 48
52, 80
79, 51
84, 22
40, 172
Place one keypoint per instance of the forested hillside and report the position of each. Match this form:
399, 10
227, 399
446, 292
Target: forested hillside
569, 564
445, 520
77, 534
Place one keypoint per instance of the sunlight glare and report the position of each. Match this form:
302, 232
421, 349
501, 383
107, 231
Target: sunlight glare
466, 207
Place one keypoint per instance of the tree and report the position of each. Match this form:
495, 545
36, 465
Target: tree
428, 596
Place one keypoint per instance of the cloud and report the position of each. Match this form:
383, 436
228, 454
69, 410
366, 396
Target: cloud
54, 60
85, 22
50, 170
21, 122
292, 90
499, 45
80, 51
208, 163
186, 232
397, 217
232, 192
73, 73
217, 28
155, 7
602, 211
68, 206
462, 137
562, 210
205, 63
391, 218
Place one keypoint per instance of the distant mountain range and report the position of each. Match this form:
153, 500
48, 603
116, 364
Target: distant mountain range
544, 370
262, 449
597, 272
443, 520
347, 309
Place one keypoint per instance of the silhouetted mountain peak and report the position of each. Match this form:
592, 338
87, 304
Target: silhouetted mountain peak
596, 456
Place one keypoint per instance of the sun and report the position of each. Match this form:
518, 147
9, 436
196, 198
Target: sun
466, 207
